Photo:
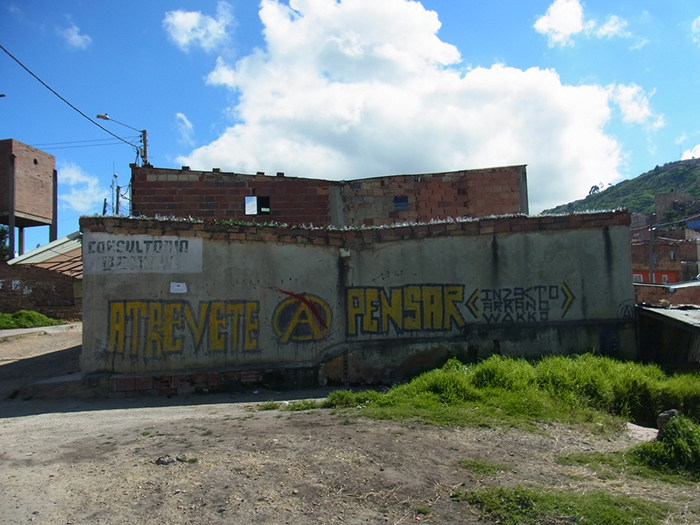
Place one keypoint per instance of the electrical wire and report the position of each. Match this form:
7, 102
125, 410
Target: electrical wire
76, 142
83, 146
64, 100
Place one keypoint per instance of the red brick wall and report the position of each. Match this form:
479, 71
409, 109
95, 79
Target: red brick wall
33, 179
645, 293
467, 193
29, 288
221, 196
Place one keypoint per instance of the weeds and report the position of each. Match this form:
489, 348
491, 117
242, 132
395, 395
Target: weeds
305, 404
269, 405
522, 506
614, 465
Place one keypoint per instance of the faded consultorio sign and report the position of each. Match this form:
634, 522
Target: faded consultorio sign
106, 253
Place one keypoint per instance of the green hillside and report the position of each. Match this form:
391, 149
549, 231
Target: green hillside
637, 195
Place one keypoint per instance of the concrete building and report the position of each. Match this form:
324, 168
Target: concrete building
378, 201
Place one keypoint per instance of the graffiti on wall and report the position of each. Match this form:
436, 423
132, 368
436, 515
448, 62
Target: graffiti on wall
107, 253
155, 328
409, 308
520, 305
301, 318
440, 307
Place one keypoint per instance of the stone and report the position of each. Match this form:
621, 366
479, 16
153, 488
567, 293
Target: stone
664, 418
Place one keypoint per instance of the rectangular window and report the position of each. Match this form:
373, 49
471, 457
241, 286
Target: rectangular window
636, 278
664, 279
255, 205
401, 204
672, 255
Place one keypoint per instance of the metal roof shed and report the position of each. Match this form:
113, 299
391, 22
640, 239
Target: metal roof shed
64, 255
669, 336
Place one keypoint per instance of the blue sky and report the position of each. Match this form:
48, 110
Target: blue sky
582, 92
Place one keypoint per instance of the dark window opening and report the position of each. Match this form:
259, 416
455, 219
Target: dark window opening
401, 204
257, 205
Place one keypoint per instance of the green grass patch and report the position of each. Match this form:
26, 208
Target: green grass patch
26, 319
616, 465
588, 390
522, 506
423, 510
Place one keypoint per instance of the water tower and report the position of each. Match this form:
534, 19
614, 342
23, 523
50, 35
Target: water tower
28, 194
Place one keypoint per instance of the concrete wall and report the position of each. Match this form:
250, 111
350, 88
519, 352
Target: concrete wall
359, 306
370, 202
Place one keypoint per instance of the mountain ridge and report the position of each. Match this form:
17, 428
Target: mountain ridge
638, 194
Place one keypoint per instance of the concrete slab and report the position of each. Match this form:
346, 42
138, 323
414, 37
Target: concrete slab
17, 332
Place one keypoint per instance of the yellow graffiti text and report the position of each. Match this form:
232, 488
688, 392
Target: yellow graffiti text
156, 328
416, 307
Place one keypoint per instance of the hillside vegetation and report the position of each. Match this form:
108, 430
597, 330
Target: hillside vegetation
637, 195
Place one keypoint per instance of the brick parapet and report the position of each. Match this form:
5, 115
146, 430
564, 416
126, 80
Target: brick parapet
655, 294
341, 237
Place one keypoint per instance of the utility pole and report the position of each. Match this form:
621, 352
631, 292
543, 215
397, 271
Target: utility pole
651, 254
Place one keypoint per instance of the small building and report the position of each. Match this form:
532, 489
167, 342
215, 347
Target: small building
669, 336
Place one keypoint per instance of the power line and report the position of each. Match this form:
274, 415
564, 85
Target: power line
64, 100
82, 146
74, 142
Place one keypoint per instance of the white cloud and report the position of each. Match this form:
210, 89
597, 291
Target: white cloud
695, 30
565, 19
189, 28
78, 190
614, 26
634, 105
185, 128
691, 153
365, 88
74, 38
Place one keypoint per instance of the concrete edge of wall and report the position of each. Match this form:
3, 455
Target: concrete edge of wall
339, 237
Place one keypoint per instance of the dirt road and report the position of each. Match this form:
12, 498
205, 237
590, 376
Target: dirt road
85, 462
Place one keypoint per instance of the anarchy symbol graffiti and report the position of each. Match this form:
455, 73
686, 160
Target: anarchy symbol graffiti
626, 310
301, 318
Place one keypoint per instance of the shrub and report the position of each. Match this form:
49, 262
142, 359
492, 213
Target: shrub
25, 319
677, 449
681, 392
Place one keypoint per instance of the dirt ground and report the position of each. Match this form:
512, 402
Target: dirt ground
66, 461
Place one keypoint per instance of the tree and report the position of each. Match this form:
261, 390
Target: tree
4, 248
